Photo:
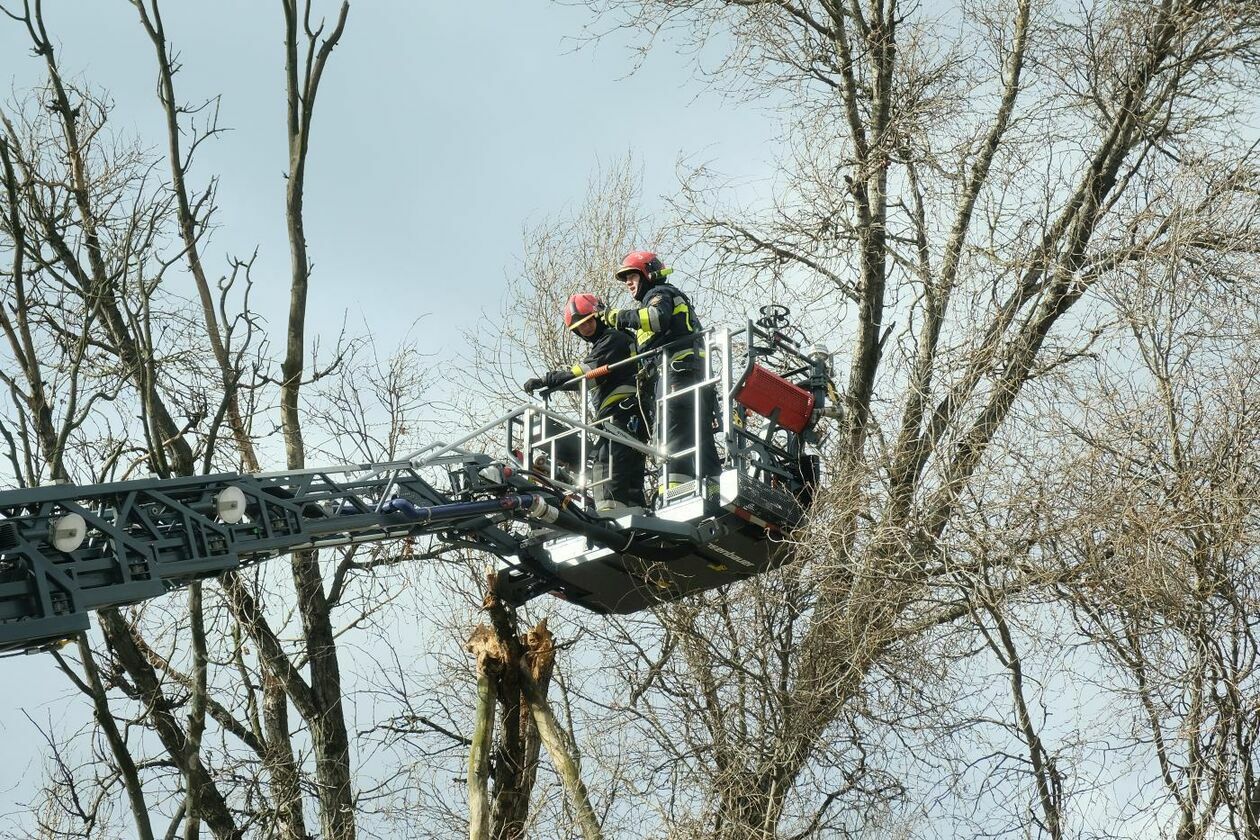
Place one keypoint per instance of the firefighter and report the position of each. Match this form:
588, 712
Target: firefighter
664, 315
615, 402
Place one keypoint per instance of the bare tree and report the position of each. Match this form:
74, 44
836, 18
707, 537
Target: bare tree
1163, 533
574, 251
951, 201
988, 209
79, 276
128, 300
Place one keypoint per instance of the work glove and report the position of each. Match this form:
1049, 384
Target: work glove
609, 317
551, 379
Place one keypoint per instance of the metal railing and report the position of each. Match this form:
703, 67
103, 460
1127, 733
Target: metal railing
713, 350
560, 447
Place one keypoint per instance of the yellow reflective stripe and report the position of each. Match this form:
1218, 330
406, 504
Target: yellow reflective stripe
642, 337
620, 393
578, 370
681, 309
645, 323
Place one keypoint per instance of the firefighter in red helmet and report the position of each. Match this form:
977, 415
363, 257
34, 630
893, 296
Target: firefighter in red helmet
664, 315
615, 402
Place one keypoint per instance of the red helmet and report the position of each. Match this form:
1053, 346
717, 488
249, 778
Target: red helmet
644, 262
580, 309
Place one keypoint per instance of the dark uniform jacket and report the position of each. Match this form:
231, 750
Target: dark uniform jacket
608, 346
665, 316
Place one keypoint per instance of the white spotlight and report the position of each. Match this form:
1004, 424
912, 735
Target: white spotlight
230, 505
66, 533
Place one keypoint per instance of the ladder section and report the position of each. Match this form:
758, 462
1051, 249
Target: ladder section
66, 549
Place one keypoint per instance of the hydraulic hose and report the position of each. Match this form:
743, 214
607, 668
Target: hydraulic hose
533, 505
460, 510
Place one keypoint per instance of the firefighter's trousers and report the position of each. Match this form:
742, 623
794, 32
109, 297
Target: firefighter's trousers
625, 485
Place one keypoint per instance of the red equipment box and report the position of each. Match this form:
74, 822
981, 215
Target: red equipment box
762, 391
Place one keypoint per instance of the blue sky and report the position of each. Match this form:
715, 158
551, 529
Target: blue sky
441, 130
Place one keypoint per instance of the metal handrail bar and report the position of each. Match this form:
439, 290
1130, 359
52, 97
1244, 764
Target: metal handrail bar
439, 448
609, 435
634, 357
613, 436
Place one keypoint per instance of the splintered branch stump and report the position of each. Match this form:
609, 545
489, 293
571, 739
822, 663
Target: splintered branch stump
513, 673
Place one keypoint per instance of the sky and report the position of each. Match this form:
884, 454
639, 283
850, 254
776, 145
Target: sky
441, 131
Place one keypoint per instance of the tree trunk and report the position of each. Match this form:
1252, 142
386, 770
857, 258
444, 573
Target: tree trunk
519, 671
214, 809
563, 756
479, 754
94, 688
329, 738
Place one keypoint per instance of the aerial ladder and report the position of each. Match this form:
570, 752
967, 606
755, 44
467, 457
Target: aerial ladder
66, 550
